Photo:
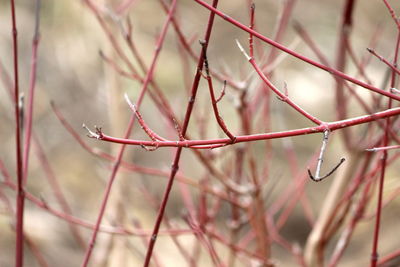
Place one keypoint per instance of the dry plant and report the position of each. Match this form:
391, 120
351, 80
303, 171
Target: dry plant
241, 198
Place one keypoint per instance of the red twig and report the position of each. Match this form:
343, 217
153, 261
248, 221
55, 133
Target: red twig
145, 170
153, 136
281, 95
389, 257
251, 39
331, 126
392, 14
32, 83
214, 101
374, 253
381, 58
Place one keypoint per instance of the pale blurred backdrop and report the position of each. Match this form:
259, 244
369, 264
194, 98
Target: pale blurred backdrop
87, 90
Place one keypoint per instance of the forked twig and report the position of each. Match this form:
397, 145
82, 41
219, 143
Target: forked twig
97, 134
281, 95
318, 177
153, 136
222, 92
214, 101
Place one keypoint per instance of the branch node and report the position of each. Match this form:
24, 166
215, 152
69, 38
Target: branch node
149, 149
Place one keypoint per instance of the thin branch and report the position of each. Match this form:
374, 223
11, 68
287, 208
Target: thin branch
186, 45
382, 148
305, 36
281, 95
153, 136
392, 14
297, 55
175, 163
381, 58
117, 163
222, 92
251, 39
386, 140
19, 216
318, 177
219, 119
32, 84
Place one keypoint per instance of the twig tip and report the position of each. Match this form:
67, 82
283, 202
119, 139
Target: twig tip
92, 134
242, 50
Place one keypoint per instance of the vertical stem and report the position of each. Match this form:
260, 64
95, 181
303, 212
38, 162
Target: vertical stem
175, 164
374, 254
341, 99
32, 83
19, 250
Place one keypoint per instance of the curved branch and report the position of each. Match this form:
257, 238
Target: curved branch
318, 177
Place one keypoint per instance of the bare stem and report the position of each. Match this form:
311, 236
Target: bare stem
214, 101
32, 83
153, 136
175, 164
282, 96
381, 58
374, 253
318, 177
19, 249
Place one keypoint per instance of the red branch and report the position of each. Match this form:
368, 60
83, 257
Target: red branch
297, 55
212, 143
19, 250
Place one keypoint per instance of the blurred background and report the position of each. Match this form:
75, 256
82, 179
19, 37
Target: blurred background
86, 89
